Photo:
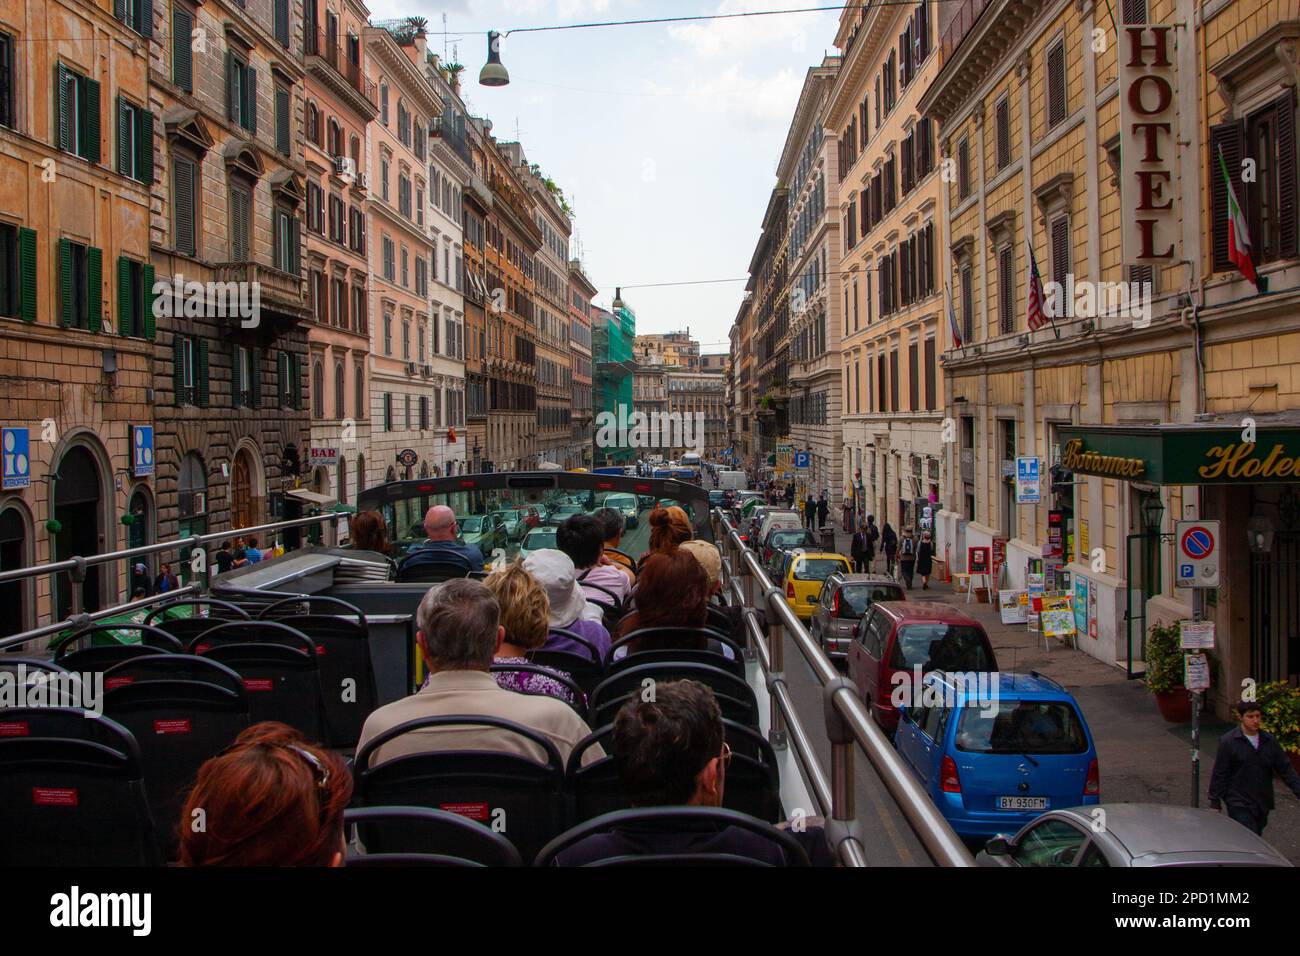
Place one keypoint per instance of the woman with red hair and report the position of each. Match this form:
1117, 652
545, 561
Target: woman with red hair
672, 590
270, 799
669, 529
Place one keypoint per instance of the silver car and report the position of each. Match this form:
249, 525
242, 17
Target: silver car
845, 598
1131, 834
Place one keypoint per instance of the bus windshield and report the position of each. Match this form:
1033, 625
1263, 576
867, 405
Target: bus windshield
543, 501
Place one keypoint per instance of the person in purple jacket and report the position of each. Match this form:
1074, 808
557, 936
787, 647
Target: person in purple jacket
555, 571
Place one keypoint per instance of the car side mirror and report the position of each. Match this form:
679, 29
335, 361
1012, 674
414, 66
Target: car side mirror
903, 713
1000, 845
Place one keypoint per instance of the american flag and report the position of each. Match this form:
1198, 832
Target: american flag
1037, 318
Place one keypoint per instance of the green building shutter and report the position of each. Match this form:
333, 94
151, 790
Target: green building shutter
125, 325
61, 103
90, 140
150, 326
94, 288
65, 283
255, 385
123, 137
178, 369
144, 162
201, 374
27, 273
182, 54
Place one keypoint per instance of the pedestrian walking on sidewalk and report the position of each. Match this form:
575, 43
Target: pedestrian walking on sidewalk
789, 496
847, 521
823, 511
925, 561
889, 541
859, 549
873, 536
809, 511
1242, 780
907, 557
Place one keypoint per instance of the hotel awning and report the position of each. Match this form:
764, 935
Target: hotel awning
1185, 454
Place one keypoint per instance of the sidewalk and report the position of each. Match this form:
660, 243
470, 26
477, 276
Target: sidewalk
1142, 757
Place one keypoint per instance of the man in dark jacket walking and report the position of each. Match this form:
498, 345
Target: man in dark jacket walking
1242, 780
823, 511
809, 511
859, 550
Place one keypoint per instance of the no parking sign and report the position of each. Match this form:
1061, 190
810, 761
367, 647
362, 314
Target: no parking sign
1197, 554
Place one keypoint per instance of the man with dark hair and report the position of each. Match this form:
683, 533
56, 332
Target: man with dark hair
671, 751
459, 634
582, 538
614, 523
1248, 758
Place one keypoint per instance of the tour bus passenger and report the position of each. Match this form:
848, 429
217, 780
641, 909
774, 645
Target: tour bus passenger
569, 609
525, 611
368, 531
582, 538
270, 799
614, 523
459, 633
672, 590
441, 530
669, 528
671, 751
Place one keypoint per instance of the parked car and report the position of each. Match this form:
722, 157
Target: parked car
486, 532
779, 518
538, 539
843, 601
805, 572
627, 504
1134, 834
997, 750
901, 635
717, 499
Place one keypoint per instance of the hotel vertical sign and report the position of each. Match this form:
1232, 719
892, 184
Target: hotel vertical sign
1148, 79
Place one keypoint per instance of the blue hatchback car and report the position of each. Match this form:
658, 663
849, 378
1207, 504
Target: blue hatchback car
996, 750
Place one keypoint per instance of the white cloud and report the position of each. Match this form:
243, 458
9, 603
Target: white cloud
572, 9
742, 35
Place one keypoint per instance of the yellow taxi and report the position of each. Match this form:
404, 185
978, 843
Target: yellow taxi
804, 572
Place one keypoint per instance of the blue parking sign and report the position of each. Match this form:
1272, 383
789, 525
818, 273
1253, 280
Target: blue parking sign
15, 447
141, 450
802, 459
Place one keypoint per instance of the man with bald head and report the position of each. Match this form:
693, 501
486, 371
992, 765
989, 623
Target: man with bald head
441, 531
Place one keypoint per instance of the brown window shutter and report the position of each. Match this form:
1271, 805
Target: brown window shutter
1287, 173
1004, 133
1056, 105
1006, 294
1060, 248
1230, 138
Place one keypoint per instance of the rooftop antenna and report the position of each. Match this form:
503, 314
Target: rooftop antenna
444, 36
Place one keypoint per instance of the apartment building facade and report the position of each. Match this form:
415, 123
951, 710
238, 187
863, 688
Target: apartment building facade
808, 170
232, 398
450, 171
770, 311
76, 351
476, 205
402, 436
1156, 395
340, 101
891, 221
699, 398
581, 292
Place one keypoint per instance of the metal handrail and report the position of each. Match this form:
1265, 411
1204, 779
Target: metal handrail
79, 621
847, 719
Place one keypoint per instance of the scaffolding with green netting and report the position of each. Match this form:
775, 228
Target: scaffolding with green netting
613, 336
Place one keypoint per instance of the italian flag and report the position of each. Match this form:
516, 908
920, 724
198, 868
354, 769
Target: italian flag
1238, 234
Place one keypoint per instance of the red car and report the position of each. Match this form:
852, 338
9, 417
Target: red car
895, 637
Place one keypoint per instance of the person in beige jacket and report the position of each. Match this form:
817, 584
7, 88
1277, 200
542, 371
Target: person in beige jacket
459, 633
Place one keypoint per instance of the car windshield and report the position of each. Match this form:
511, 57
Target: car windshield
792, 539
1022, 727
539, 539
939, 646
817, 569
856, 598
555, 495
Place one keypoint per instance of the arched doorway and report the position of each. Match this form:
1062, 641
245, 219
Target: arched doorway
15, 553
241, 492
78, 508
320, 482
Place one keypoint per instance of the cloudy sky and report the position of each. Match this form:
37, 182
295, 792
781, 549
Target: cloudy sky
665, 137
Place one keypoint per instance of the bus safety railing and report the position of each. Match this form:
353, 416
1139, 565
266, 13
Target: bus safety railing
847, 721
78, 567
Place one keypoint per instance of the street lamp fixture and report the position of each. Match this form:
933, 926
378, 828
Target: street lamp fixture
1259, 533
494, 72
1153, 512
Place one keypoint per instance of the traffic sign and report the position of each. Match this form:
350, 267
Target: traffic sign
141, 450
1198, 554
802, 459
1029, 489
17, 458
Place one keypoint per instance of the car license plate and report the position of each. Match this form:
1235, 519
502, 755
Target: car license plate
1022, 803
